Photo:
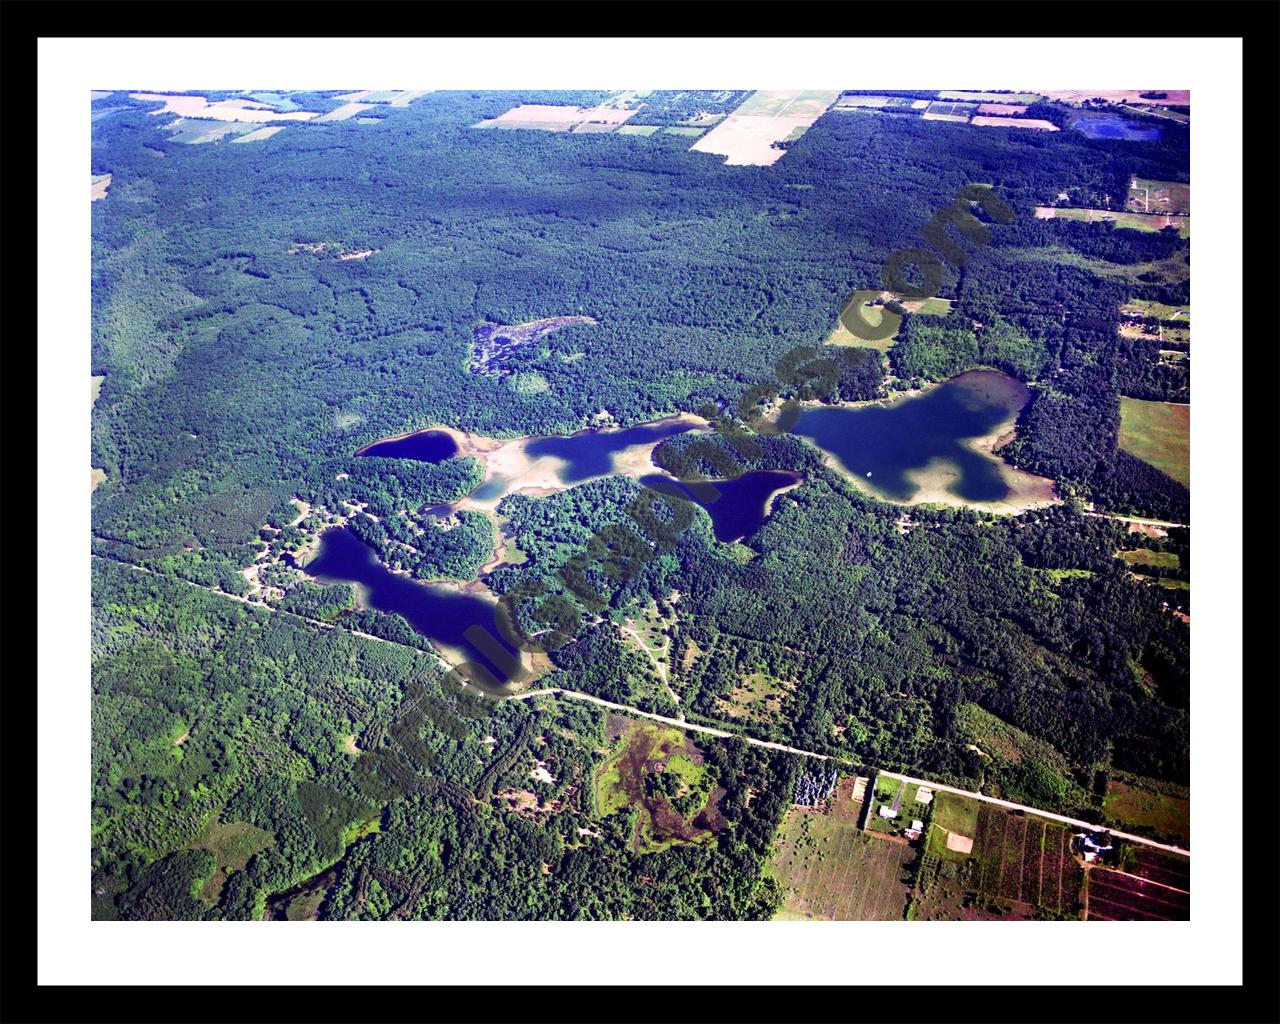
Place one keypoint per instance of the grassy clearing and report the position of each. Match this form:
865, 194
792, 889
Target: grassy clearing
1133, 221
1159, 433
96, 478
1145, 556
1149, 196
757, 698
841, 335
1173, 270
1155, 310
1132, 805
638, 129
232, 844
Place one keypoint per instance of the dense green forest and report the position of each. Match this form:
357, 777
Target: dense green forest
248, 763
223, 778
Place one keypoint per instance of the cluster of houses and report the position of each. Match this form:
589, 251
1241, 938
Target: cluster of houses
924, 795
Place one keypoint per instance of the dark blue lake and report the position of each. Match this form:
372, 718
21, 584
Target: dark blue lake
445, 615
1113, 126
739, 506
926, 435
591, 453
424, 446
586, 455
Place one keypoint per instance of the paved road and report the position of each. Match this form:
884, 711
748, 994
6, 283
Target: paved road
1135, 519
1036, 811
678, 723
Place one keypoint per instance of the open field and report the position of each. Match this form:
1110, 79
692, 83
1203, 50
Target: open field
1119, 896
98, 185
828, 870
1132, 805
1158, 310
841, 335
638, 129
1015, 122
756, 699
95, 389
748, 135
1005, 109
1173, 97
258, 134
553, 118
988, 97
224, 110
1173, 269
1154, 559
1147, 196
1159, 433
96, 477
1134, 221
193, 132
343, 112
930, 116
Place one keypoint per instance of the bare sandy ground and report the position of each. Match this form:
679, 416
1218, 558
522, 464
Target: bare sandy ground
539, 476
98, 188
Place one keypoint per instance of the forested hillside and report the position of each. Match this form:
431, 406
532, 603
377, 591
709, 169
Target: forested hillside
262, 311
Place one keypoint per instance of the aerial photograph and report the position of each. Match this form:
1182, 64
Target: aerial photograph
640, 505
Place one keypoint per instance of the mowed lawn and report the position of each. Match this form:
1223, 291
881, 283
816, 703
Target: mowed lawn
1158, 433
829, 870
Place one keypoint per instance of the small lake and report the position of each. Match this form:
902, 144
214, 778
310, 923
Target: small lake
443, 614
424, 446
1113, 126
929, 447
741, 505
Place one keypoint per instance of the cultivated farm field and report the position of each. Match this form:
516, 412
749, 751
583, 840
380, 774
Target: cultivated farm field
831, 871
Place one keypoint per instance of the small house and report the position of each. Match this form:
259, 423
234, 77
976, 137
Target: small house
887, 812
1092, 847
924, 795
917, 825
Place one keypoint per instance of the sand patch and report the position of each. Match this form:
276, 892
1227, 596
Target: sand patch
511, 462
959, 843
96, 477
98, 186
